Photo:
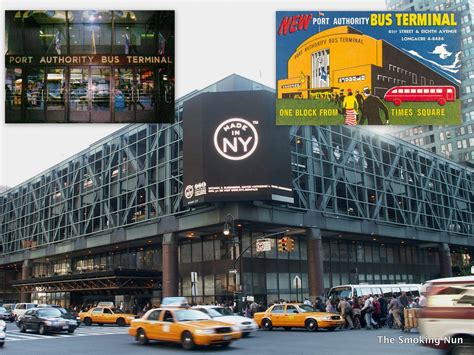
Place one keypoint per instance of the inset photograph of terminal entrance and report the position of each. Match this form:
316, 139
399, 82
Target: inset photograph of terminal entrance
89, 66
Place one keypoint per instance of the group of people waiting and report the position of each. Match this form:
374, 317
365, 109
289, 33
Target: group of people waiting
373, 311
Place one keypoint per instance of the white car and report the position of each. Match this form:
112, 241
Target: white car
3, 327
246, 325
21, 308
447, 320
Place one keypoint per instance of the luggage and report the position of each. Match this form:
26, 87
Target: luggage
410, 316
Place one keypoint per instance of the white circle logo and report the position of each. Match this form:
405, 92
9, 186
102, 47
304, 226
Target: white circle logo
236, 139
189, 191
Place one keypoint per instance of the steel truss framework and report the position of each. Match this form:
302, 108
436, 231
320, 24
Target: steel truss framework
135, 175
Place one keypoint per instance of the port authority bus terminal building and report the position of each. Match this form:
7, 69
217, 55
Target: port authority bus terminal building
89, 66
352, 60
117, 222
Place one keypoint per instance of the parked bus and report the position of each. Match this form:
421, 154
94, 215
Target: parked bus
439, 94
387, 290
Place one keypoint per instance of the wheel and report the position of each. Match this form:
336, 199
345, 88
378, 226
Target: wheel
245, 335
187, 341
41, 329
311, 325
464, 348
331, 329
22, 328
120, 322
267, 324
70, 331
397, 102
141, 337
287, 328
441, 101
87, 321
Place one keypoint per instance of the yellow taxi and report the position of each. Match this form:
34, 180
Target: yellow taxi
188, 327
106, 315
296, 315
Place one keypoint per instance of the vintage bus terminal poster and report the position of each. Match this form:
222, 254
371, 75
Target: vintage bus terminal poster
372, 68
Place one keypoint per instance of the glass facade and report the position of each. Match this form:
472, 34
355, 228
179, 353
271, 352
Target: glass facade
267, 276
65, 66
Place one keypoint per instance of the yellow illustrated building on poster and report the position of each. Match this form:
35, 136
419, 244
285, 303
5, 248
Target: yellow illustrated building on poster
343, 58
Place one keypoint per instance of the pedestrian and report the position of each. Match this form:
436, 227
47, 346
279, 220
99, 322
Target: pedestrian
368, 309
422, 301
371, 110
307, 301
330, 306
394, 308
345, 309
319, 305
377, 311
356, 312
349, 107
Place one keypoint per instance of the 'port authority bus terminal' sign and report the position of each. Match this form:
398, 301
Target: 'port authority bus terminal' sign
371, 68
88, 59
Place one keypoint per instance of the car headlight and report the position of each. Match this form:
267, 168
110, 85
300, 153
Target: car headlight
205, 331
326, 318
235, 329
48, 322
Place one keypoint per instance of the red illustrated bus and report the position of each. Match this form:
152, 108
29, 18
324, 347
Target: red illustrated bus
439, 94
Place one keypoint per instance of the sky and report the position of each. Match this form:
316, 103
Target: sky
213, 40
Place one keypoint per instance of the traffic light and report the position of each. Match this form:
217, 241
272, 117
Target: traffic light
290, 244
283, 244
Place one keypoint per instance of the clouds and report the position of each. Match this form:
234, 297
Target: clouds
442, 51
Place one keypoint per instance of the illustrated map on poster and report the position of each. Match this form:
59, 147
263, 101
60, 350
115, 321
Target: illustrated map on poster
376, 68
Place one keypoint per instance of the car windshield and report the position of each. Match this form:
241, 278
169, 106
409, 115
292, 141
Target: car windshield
189, 315
3, 309
118, 311
62, 310
306, 308
50, 312
220, 311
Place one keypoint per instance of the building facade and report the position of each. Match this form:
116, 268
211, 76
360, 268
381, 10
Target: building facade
89, 66
456, 143
320, 65
109, 223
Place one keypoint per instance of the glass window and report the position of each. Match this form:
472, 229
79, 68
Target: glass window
107, 311
277, 309
97, 310
90, 32
13, 89
291, 309
185, 252
196, 251
155, 315
208, 250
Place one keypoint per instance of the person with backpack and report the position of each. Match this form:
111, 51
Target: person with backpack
346, 312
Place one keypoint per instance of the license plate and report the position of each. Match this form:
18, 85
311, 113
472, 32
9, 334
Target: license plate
227, 337
65, 327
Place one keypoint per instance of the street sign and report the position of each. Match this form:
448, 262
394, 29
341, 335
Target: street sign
250, 298
297, 282
194, 277
232, 271
263, 245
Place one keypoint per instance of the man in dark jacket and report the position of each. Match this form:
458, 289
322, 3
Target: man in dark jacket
371, 110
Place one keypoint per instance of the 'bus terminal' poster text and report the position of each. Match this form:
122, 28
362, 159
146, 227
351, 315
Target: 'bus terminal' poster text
374, 68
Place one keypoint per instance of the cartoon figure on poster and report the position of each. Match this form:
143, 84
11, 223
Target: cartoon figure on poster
374, 68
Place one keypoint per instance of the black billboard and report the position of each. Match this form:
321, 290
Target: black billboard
233, 151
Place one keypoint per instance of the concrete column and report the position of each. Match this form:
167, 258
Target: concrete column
315, 263
25, 275
170, 265
445, 260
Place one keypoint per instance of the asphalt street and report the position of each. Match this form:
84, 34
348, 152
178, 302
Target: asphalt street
113, 340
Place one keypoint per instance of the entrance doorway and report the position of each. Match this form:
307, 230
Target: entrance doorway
89, 94
134, 95
45, 94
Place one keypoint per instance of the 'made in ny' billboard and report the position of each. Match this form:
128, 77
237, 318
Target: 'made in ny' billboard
232, 149
376, 68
